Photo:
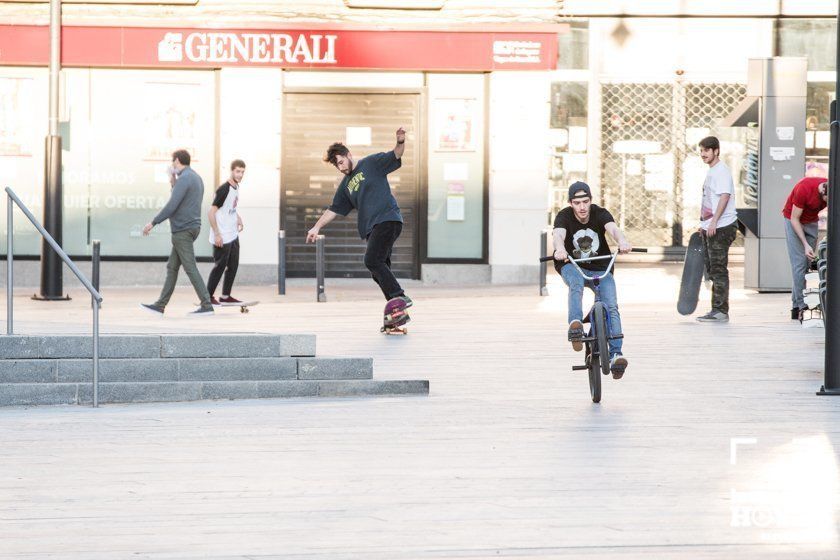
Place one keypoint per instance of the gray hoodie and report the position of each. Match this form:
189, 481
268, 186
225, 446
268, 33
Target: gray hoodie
184, 207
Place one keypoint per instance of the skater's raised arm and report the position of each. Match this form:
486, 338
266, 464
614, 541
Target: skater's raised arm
325, 218
399, 149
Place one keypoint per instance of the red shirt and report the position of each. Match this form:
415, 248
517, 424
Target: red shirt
806, 195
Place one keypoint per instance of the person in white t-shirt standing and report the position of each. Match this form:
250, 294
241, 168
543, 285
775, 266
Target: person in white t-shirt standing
717, 227
225, 225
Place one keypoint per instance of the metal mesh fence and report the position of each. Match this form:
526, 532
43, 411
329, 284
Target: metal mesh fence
651, 177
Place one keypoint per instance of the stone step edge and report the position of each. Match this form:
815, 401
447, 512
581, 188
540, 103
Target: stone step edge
160, 370
198, 345
38, 394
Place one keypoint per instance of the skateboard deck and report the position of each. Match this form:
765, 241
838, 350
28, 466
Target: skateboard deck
692, 275
395, 317
243, 306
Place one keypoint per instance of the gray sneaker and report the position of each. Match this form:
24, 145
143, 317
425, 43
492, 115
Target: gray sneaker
714, 316
202, 311
152, 308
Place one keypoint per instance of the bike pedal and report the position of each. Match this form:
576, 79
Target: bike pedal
578, 368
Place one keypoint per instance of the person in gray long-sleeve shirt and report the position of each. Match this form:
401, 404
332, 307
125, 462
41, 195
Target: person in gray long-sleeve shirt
184, 214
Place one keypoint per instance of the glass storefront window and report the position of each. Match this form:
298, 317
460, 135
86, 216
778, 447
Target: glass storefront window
123, 127
574, 47
811, 38
817, 137
455, 222
568, 137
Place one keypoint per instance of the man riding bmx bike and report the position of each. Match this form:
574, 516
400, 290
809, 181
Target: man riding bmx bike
579, 231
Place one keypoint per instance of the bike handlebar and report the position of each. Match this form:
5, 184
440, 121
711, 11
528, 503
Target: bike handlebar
633, 250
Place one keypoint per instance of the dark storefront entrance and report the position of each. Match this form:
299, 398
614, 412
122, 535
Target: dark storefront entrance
311, 122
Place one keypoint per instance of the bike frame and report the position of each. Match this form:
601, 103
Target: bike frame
596, 284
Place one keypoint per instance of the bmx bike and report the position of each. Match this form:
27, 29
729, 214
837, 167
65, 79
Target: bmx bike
597, 337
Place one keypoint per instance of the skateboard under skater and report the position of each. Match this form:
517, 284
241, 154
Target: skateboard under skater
692, 275
395, 317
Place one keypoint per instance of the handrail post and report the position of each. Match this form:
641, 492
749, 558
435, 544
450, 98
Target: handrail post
95, 351
543, 265
319, 268
281, 262
94, 264
10, 257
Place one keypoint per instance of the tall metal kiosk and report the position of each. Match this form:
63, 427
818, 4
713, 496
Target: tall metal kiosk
774, 110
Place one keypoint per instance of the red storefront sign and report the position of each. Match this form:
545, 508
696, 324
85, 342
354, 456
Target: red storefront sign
138, 47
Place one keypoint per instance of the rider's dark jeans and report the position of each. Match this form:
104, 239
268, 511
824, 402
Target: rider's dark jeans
380, 242
576, 283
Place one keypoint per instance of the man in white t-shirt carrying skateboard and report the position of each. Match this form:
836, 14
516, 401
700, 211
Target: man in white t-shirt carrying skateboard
717, 227
225, 225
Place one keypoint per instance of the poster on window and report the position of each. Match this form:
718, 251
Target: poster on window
170, 119
454, 125
17, 105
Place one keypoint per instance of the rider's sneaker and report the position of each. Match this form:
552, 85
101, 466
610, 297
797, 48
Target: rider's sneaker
576, 335
407, 300
229, 299
714, 316
618, 364
214, 301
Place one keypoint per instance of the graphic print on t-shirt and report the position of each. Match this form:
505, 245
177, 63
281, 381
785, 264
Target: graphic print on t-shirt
355, 182
586, 244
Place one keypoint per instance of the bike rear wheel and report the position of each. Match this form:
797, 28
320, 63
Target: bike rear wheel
599, 313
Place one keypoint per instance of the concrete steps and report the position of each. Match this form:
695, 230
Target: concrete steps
57, 369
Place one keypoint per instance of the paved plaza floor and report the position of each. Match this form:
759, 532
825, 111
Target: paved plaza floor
713, 446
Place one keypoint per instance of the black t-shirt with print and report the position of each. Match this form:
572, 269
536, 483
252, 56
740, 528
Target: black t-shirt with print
367, 190
585, 240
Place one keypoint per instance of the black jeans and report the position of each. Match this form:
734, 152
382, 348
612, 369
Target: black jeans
380, 242
226, 258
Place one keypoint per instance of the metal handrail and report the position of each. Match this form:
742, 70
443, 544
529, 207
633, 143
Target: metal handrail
94, 294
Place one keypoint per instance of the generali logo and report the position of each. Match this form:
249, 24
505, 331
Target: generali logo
265, 48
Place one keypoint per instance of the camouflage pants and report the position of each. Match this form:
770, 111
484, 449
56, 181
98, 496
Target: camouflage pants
717, 264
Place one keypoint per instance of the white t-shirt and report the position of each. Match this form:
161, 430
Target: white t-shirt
226, 199
718, 182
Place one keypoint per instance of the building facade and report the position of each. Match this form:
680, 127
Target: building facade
504, 107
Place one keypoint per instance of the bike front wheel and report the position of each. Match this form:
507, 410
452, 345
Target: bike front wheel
594, 372
599, 313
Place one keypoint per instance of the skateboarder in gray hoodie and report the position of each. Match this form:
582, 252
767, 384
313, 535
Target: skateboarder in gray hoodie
184, 214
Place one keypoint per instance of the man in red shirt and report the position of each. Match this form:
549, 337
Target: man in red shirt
808, 197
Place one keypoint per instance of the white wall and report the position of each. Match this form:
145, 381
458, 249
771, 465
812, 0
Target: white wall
700, 7
705, 49
519, 119
249, 123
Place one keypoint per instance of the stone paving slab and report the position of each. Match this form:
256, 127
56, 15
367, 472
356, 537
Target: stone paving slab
335, 368
236, 346
236, 369
111, 370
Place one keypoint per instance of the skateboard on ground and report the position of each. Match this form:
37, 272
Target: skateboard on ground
243, 306
692, 275
395, 317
